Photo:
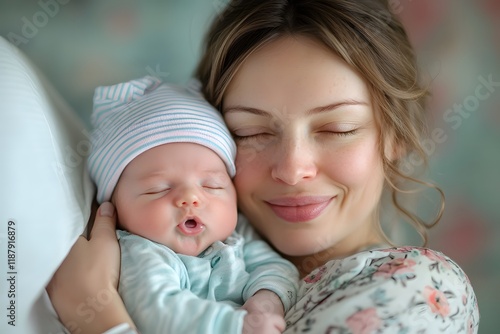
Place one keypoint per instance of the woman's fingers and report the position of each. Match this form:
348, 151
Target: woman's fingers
89, 273
105, 223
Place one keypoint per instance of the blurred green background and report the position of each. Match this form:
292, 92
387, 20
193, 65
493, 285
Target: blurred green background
79, 45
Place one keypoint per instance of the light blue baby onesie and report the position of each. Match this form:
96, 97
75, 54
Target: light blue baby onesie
165, 292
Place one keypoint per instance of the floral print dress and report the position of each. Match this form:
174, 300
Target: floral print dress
393, 290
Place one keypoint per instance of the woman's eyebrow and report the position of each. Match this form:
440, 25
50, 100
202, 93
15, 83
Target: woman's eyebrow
316, 110
335, 105
254, 111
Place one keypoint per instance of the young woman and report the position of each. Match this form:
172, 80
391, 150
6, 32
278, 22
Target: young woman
323, 100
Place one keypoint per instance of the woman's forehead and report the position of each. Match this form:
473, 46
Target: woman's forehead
294, 72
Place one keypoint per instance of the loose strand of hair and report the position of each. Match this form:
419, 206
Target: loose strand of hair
419, 224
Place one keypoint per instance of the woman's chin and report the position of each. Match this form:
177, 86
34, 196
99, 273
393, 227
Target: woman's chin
288, 248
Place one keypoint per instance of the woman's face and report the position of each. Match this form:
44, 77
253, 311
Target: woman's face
309, 173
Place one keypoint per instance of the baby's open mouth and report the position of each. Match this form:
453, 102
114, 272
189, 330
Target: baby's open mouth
191, 226
190, 223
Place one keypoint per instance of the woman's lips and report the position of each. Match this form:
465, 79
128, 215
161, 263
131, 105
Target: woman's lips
299, 209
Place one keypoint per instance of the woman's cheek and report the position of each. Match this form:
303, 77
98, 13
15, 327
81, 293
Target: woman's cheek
355, 164
243, 176
248, 160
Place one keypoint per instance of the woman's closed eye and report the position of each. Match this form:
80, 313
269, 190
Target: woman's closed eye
341, 130
341, 133
251, 137
251, 134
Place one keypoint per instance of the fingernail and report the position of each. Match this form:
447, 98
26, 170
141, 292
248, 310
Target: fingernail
107, 209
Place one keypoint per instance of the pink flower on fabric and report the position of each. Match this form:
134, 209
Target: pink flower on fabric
364, 321
428, 253
315, 276
437, 301
434, 256
395, 267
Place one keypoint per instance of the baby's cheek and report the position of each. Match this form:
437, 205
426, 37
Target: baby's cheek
145, 222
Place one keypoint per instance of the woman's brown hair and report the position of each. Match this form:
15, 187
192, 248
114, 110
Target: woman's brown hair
367, 35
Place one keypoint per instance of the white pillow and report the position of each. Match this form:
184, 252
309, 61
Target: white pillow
45, 191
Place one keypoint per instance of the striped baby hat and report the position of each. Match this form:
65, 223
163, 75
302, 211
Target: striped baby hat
132, 117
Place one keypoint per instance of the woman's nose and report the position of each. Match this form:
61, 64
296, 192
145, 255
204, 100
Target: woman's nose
294, 161
188, 197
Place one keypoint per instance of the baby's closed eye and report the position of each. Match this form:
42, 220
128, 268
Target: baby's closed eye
156, 190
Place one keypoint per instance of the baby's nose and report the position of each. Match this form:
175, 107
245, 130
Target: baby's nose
188, 198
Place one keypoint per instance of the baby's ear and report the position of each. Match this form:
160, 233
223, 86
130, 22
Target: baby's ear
119, 226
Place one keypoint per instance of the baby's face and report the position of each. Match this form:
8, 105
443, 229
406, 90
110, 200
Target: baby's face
179, 195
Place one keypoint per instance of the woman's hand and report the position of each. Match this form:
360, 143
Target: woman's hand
84, 288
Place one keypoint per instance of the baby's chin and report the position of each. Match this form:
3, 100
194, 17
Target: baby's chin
190, 246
